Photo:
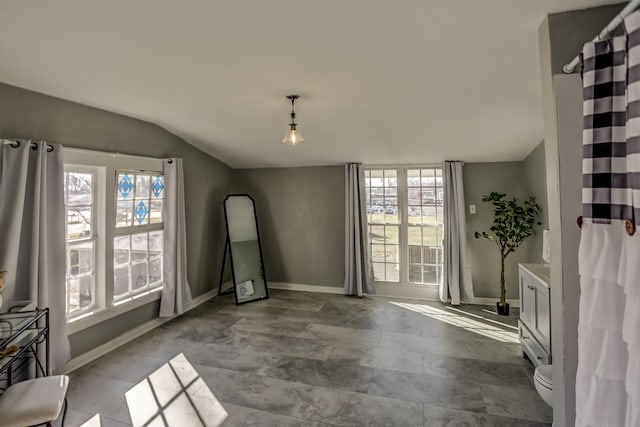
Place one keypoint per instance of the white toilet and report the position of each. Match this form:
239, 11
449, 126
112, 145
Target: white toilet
543, 381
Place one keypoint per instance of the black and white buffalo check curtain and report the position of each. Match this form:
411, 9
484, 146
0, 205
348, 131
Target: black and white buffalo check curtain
608, 377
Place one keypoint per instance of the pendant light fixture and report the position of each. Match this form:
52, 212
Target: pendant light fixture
293, 137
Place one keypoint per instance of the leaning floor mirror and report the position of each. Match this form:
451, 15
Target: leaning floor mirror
243, 241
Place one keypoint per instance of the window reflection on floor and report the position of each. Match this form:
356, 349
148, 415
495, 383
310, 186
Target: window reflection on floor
173, 396
93, 422
484, 327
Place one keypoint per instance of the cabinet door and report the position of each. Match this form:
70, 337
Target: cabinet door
542, 326
527, 300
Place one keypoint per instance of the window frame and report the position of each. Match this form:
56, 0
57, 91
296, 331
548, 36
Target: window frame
399, 215
107, 165
403, 226
132, 230
422, 225
97, 231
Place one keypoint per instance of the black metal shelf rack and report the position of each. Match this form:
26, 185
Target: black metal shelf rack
29, 331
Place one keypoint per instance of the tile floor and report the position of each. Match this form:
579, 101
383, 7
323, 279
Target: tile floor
304, 359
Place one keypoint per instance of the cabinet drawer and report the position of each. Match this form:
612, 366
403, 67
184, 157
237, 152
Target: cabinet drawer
530, 345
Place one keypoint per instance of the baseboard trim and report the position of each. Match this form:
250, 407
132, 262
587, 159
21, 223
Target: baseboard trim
306, 288
226, 286
428, 293
90, 356
492, 301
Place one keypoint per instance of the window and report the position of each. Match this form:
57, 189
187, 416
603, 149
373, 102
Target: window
80, 230
140, 198
405, 214
138, 241
425, 225
115, 234
382, 212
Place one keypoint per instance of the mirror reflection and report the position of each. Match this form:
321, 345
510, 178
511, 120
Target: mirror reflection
246, 257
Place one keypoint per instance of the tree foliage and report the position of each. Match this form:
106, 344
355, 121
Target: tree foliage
512, 224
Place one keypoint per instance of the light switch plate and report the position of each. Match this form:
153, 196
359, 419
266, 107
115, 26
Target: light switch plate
472, 209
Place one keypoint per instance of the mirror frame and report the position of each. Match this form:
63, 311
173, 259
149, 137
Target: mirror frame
233, 272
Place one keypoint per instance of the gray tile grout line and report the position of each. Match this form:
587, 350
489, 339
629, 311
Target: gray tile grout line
278, 414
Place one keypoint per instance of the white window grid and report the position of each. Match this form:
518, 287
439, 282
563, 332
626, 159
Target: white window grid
106, 165
132, 265
393, 235
383, 217
130, 213
425, 221
81, 243
143, 271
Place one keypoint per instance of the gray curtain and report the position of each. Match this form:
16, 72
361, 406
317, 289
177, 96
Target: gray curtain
32, 227
176, 294
358, 267
456, 283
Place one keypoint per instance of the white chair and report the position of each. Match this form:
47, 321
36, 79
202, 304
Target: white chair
34, 402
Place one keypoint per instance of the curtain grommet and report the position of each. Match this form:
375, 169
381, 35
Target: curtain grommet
630, 226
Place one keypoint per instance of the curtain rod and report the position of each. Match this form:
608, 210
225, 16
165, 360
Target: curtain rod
113, 153
615, 23
15, 143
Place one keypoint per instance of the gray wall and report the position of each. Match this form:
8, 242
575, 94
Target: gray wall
26, 114
536, 180
90, 338
569, 31
301, 220
481, 179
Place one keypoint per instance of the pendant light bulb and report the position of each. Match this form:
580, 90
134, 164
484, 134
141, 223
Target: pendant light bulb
293, 137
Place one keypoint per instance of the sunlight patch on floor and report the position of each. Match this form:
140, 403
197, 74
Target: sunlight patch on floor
93, 422
463, 322
174, 396
477, 316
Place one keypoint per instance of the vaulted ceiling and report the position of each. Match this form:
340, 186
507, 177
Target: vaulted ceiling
381, 81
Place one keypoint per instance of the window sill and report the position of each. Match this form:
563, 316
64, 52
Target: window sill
407, 285
97, 316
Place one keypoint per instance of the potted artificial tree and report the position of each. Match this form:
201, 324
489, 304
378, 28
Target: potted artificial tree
512, 224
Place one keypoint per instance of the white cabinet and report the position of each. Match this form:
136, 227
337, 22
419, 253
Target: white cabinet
535, 313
